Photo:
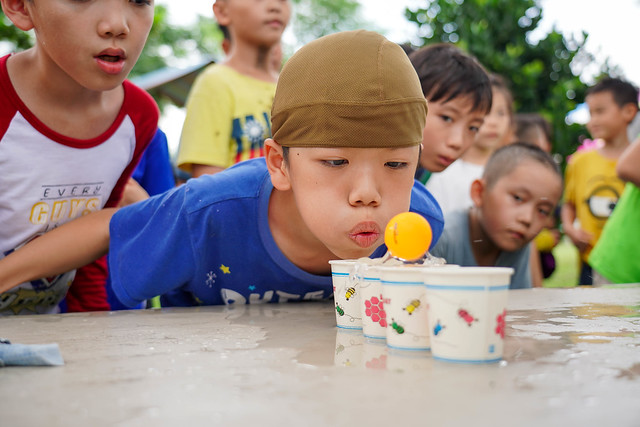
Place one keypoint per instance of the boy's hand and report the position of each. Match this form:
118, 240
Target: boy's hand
580, 238
133, 192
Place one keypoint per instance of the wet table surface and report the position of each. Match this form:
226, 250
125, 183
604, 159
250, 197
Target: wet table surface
572, 358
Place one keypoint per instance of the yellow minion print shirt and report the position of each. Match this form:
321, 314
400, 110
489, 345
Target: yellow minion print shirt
592, 185
228, 118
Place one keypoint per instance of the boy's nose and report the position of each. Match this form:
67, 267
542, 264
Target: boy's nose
113, 22
525, 215
455, 138
275, 5
364, 191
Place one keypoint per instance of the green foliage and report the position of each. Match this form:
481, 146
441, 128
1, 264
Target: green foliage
168, 43
543, 74
317, 18
14, 37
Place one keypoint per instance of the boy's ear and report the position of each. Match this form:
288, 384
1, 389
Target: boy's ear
629, 111
276, 165
477, 191
16, 11
220, 11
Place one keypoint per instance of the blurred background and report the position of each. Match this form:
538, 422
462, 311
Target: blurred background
549, 51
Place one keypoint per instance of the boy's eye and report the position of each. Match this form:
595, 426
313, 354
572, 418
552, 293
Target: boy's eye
544, 212
446, 119
336, 162
142, 2
474, 129
396, 165
517, 198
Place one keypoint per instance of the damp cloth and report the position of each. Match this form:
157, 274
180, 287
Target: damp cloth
29, 354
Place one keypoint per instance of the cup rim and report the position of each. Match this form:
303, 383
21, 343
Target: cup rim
471, 270
342, 261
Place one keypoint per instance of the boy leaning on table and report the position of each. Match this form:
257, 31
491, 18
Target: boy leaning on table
347, 122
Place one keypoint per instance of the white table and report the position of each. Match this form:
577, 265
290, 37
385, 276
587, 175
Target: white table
572, 358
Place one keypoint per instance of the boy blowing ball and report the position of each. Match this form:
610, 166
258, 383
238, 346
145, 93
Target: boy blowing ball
347, 120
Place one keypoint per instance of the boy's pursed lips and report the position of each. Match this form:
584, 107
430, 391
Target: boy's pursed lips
365, 234
275, 23
111, 60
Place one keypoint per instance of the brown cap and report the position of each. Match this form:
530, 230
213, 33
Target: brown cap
349, 89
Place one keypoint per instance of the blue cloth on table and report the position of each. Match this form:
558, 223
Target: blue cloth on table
30, 355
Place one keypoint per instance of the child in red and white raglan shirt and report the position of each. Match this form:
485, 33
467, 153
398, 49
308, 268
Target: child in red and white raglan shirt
71, 128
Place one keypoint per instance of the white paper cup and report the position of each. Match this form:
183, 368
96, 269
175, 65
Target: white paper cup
346, 294
349, 348
405, 303
467, 310
373, 313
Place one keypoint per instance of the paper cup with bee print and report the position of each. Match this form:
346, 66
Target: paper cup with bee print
405, 303
372, 312
467, 310
346, 294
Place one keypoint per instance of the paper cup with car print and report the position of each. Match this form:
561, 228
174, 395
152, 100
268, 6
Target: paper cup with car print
405, 303
346, 294
467, 310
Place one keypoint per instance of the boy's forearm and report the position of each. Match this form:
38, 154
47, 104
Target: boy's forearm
567, 216
65, 248
627, 167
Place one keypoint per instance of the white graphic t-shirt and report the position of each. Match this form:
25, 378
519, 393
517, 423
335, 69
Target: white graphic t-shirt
49, 179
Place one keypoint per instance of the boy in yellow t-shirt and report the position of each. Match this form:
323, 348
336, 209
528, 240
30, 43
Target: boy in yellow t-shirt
592, 187
228, 110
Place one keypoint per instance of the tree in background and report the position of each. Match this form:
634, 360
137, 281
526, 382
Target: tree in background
316, 18
15, 38
543, 74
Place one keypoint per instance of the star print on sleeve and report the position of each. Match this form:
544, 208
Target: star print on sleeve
225, 269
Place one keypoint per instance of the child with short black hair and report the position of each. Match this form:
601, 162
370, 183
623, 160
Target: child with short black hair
451, 186
518, 191
340, 165
592, 187
458, 91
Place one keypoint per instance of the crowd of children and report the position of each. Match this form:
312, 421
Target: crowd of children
293, 168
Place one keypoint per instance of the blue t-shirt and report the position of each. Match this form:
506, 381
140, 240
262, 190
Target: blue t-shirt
154, 173
208, 242
455, 247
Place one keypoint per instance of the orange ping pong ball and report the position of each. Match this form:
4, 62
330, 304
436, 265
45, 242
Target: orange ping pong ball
408, 236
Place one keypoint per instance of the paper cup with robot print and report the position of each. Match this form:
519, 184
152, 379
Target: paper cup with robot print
405, 303
467, 310
346, 294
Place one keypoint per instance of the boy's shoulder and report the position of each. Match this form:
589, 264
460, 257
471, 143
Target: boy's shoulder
139, 103
216, 74
586, 157
244, 180
423, 202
